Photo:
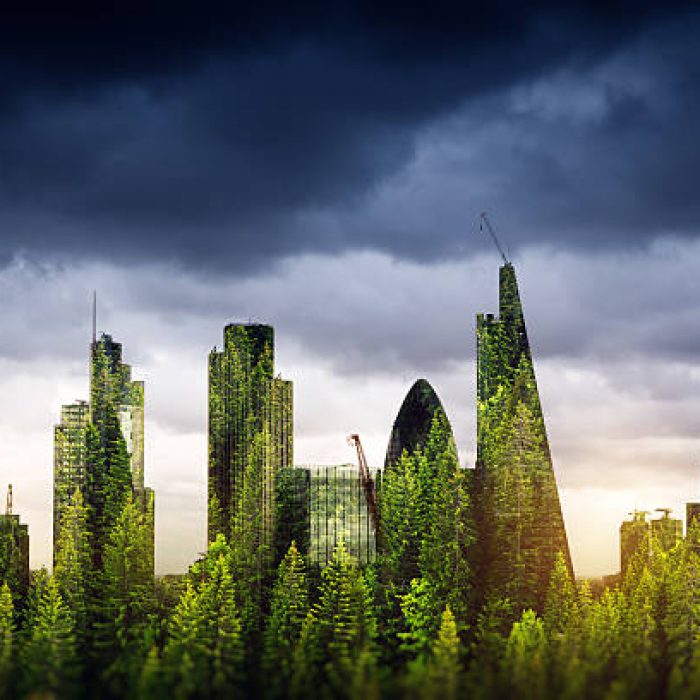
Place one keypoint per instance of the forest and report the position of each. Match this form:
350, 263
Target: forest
414, 623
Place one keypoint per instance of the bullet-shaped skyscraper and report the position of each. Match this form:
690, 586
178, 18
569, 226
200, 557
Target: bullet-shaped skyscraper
250, 428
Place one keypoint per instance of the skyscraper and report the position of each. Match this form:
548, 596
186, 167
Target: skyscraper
413, 422
635, 537
519, 519
250, 430
69, 458
116, 407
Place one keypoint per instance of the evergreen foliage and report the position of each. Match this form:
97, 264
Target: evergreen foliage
48, 654
7, 634
288, 610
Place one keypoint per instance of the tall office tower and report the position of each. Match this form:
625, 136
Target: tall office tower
116, 408
519, 519
413, 422
14, 553
250, 431
113, 390
634, 539
69, 458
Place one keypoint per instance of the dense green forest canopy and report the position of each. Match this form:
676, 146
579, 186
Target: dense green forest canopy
409, 624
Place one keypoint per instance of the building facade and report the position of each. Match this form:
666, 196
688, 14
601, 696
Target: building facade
14, 552
250, 431
112, 393
320, 506
635, 539
413, 421
518, 515
69, 458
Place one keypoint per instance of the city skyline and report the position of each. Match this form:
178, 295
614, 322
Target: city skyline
319, 457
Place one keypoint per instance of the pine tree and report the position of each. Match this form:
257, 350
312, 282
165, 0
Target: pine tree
7, 634
128, 597
288, 610
73, 565
203, 655
524, 665
421, 616
444, 668
336, 632
48, 656
560, 606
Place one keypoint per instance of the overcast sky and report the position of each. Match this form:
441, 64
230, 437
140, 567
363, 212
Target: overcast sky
321, 167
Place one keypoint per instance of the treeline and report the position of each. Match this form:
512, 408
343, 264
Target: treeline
414, 623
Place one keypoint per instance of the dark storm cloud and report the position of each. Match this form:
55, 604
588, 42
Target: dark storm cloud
227, 141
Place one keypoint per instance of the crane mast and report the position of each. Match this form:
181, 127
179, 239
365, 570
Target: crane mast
485, 222
366, 480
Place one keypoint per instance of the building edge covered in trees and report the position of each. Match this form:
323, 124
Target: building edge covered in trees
519, 522
99, 447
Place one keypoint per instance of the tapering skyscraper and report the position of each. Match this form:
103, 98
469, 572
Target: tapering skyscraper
519, 518
250, 430
115, 412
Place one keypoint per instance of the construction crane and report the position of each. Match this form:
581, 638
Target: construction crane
666, 511
485, 222
366, 480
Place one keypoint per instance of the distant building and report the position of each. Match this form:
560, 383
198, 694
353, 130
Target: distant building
634, 539
250, 428
667, 531
14, 552
520, 527
692, 515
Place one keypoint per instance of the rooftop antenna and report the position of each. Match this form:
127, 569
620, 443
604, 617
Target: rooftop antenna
485, 222
94, 316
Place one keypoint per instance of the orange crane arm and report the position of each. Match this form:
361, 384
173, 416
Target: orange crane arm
367, 481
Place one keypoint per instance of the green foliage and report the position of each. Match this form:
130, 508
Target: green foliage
203, 655
444, 668
338, 631
524, 666
73, 562
288, 610
7, 634
48, 655
127, 599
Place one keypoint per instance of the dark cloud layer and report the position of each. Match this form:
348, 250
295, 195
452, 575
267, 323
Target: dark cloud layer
231, 139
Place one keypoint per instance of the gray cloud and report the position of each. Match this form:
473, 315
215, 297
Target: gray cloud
231, 156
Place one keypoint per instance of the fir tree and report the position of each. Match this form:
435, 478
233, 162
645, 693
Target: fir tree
524, 663
444, 667
336, 632
73, 564
48, 656
203, 656
7, 634
288, 610
560, 606
128, 598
